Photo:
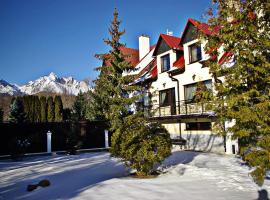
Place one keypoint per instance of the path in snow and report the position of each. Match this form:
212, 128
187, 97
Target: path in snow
189, 175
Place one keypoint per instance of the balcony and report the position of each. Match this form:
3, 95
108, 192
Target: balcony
180, 109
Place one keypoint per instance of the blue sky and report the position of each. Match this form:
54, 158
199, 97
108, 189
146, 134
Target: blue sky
40, 36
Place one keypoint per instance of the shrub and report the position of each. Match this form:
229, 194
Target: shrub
18, 148
141, 144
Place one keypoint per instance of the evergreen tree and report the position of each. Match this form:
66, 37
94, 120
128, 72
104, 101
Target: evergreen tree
58, 109
110, 101
17, 114
43, 109
243, 94
26, 106
50, 109
37, 111
79, 107
110, 98
1, 115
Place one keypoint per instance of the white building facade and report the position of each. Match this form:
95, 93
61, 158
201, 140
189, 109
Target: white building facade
179, 87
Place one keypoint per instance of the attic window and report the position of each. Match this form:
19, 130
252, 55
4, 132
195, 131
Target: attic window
195, 52
165, 63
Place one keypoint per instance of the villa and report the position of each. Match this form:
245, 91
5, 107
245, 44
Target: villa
173, 75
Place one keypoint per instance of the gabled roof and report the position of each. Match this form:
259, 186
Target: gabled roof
205, 28
172, 41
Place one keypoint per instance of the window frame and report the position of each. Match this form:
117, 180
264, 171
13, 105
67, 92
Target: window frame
162, 63
171, 97
205, 82
199, 126
197, 44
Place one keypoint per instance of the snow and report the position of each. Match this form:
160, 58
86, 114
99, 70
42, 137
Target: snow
49, 83
188, 175
9, 89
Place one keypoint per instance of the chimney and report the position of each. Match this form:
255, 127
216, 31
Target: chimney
144, 45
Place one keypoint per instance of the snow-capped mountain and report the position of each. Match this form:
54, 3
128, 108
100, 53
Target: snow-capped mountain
50, 83
9, 89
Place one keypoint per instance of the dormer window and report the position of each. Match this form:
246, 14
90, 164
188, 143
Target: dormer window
165, 63
195, 52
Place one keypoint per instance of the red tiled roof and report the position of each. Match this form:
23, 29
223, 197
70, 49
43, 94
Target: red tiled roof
154, 72
180, 63
150, 66
133, 53
173, 42
205, 28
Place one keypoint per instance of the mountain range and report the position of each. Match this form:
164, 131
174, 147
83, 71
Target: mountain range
50, 83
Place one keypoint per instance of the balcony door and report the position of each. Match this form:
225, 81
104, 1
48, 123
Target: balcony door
167, 100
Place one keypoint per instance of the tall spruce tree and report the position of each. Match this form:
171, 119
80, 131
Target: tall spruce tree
110, 100
243, 94
140, 145
43, 109
50, 109
58, 109
17, 114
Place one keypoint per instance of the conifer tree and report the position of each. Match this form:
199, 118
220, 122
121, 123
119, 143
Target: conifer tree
111, 100
58, 109
17, 114
50, 109
26, 106
243, 94
43, 109
37, 110
79, 107
1, 115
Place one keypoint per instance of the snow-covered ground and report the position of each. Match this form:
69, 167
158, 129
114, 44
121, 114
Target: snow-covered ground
189, 175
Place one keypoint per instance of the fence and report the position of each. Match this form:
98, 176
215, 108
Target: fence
88, 134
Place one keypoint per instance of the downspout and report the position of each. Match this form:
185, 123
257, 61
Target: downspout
178, 97
178, 90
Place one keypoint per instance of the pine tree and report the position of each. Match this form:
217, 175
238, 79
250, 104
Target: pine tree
243, 94
111, 101
50, 109
79, 107
1, 115
58, 109
17, 114
43, 109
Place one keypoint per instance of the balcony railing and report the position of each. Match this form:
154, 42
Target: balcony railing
178, 108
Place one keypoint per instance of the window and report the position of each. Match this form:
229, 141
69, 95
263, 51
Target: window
194, 126
195, 52
165, 63
197, 91
167, 97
